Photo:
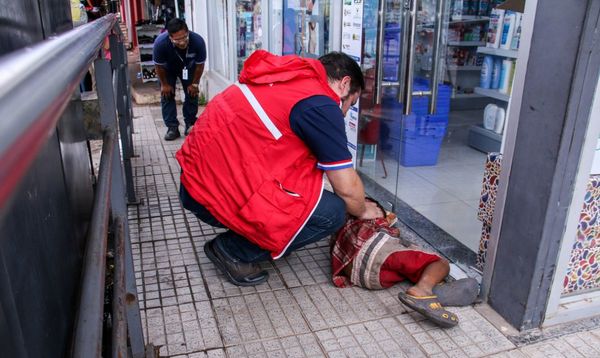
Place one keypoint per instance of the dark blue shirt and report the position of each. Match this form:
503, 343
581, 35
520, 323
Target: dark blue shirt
174, 59
319, 122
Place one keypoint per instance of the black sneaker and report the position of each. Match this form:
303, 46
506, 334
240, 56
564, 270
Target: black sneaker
172, 133
188, 129
239, 273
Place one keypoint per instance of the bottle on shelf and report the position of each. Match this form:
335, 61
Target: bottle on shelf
506, 76
486, 72
508, 29
489, 116
496, 73
516, 39
499, 120
495, 28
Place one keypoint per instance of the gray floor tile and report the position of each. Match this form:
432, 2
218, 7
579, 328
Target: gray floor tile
189, 309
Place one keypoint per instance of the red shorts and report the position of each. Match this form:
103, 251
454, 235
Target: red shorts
405, 265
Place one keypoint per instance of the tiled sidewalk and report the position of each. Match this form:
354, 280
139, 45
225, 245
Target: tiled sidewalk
190, 310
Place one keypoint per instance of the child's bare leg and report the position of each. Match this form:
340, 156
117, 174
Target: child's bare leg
433, 274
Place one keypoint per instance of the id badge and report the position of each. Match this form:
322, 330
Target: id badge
184, 74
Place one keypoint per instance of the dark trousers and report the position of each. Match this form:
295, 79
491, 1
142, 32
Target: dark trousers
190, 105
326, 219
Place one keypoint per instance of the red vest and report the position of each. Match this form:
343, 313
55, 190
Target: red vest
245, 165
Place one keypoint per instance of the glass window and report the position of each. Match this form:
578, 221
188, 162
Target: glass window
249, 31
217, 37
276, 33
306, 25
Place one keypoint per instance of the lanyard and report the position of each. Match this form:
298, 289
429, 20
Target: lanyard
186, 53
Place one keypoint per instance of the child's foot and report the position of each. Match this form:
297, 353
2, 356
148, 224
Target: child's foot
419, 291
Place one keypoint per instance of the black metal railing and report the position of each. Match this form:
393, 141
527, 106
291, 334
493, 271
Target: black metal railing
36, 85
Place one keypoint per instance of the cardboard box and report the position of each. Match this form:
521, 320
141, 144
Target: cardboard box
514, 5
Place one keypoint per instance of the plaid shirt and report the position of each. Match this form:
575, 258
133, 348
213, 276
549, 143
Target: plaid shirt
349, 240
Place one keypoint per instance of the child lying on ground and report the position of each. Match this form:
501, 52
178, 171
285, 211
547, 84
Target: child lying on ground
371, 254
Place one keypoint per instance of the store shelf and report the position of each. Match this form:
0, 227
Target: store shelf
467, 96
463, 68
484, 140
498, 52
464, 20
146, 46
466, 43
144, 80
492, 93
469, 18
147, 63
150, 27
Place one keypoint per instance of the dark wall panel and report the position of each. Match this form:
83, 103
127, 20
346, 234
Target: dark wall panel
528, 248
55, 16
42, 232
20, 24
42, 257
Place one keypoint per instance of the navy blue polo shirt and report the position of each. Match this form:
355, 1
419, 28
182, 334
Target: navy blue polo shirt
166, 54
319, 122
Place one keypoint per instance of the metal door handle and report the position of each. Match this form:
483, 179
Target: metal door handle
437, 46
379, 62
409, 46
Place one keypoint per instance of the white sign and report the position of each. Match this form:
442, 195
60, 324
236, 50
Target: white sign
352, 15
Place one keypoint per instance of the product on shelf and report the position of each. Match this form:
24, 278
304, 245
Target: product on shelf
495, 28
487, 67
489, 116
496, 71
508, 29
148, 73
504, 30
499, 122
146, 34
506, 76
463, 8
516, 39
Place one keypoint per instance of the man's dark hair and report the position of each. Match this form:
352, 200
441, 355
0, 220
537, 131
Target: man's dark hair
338, 65
176, 25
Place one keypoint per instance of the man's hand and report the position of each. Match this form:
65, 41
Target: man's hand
348, 186
372, 211
167, 91
193, 90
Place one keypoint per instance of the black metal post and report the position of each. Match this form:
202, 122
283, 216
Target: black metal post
88, 328
119, 321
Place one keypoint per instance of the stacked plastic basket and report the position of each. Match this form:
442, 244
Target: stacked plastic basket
415, 139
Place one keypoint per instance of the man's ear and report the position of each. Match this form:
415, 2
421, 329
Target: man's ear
347, 81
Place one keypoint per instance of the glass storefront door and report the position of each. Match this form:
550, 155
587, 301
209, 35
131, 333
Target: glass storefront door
249, 29
402, 142
306, 25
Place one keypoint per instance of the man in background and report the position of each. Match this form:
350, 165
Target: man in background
179, 53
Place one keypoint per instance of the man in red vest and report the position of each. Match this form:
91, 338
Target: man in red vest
255, 160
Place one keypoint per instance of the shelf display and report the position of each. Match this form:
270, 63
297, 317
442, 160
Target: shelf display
146, 34
306, 27
462, 61
249, 29
498, 67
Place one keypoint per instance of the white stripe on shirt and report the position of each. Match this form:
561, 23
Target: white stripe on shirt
259, 110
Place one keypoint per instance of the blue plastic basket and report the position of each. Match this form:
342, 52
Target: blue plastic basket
422, 140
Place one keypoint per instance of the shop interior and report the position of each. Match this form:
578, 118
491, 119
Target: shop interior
435, 163
432, 162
